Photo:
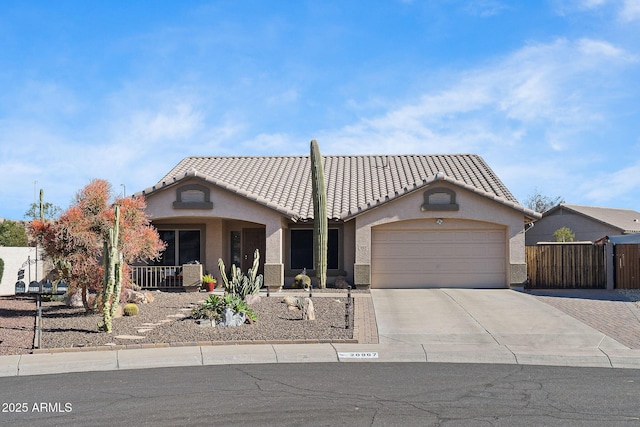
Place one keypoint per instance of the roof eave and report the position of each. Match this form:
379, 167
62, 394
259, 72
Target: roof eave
224, 186
584, 215
529, 214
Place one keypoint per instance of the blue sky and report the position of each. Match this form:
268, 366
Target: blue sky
548, 92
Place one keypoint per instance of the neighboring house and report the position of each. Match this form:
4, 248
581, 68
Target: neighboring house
394, 221
589, 223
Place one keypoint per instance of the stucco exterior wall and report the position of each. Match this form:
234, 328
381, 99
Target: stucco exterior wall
228, 208
14, 258
584, 228
471, 207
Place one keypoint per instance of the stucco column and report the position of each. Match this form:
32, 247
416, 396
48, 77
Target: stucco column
362, 266
273, 264
517, 263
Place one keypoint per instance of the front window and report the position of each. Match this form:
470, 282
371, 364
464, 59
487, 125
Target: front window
302, 249
183, 246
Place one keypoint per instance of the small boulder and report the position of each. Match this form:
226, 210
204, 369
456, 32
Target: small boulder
309, 312
135, 297
252, 299
341, 283
290, 300
74, 300
118, 312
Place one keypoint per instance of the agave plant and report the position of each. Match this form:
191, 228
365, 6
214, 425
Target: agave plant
214, 306
211, 308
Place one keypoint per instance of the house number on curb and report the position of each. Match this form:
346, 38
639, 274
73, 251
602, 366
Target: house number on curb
363, 355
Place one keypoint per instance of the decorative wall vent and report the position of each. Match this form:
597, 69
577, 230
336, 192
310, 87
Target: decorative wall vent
439, 199
193, 196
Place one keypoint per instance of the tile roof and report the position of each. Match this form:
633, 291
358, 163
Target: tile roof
354, 183
626, 220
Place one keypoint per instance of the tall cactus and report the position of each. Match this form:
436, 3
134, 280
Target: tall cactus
320, 223
112, 285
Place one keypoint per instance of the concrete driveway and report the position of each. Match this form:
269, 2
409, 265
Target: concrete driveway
479, 317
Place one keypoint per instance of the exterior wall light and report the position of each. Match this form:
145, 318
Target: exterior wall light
439, 221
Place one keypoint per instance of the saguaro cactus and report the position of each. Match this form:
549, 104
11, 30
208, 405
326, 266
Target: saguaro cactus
320, 223
112, 284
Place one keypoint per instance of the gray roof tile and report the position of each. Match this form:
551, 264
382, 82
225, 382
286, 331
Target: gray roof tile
354, 183
626, 220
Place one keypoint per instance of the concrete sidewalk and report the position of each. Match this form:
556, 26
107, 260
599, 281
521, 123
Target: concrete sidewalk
427, 325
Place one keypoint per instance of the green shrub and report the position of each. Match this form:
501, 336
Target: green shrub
12, 233
130, 310
564, 234
214, 306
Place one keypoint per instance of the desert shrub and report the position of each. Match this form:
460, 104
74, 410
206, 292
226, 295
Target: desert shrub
214, 306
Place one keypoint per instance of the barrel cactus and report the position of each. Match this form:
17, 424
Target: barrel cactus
130, 310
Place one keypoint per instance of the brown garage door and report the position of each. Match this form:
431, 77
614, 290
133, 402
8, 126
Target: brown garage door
446, 258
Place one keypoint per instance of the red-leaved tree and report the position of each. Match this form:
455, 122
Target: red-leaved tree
75, 240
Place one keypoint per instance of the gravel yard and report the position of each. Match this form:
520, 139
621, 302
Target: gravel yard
167, 320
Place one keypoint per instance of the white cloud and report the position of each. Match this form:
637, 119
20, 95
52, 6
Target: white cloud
603, 49
177, 121
630, 11
548, 87
626, 10
485, 8
607, 187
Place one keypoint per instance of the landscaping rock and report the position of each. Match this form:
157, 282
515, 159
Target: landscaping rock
290, 301
74, 300
232, 319
129, 295
309, 312
341, 283
252, 299
118, 312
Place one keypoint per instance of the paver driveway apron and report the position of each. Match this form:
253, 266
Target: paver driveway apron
477, 316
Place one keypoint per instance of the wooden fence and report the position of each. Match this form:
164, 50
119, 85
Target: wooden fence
627, 266
564, 266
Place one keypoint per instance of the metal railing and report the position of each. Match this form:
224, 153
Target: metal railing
157, 277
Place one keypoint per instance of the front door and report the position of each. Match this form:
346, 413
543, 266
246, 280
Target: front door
252, 239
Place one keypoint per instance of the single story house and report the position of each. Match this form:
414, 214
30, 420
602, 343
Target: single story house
398, 221
588, 223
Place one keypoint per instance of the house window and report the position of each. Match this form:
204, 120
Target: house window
302, 249
183, 247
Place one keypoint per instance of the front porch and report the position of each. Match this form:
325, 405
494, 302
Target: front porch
178, 278
204, 241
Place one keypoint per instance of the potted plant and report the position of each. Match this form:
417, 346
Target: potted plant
209, 282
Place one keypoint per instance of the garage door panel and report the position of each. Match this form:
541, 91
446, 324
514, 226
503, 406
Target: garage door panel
439, 258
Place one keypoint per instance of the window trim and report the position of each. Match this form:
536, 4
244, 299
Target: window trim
451, 206
311, 271
186, 227
180, 204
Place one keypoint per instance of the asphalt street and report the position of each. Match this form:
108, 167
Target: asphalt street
312, 394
